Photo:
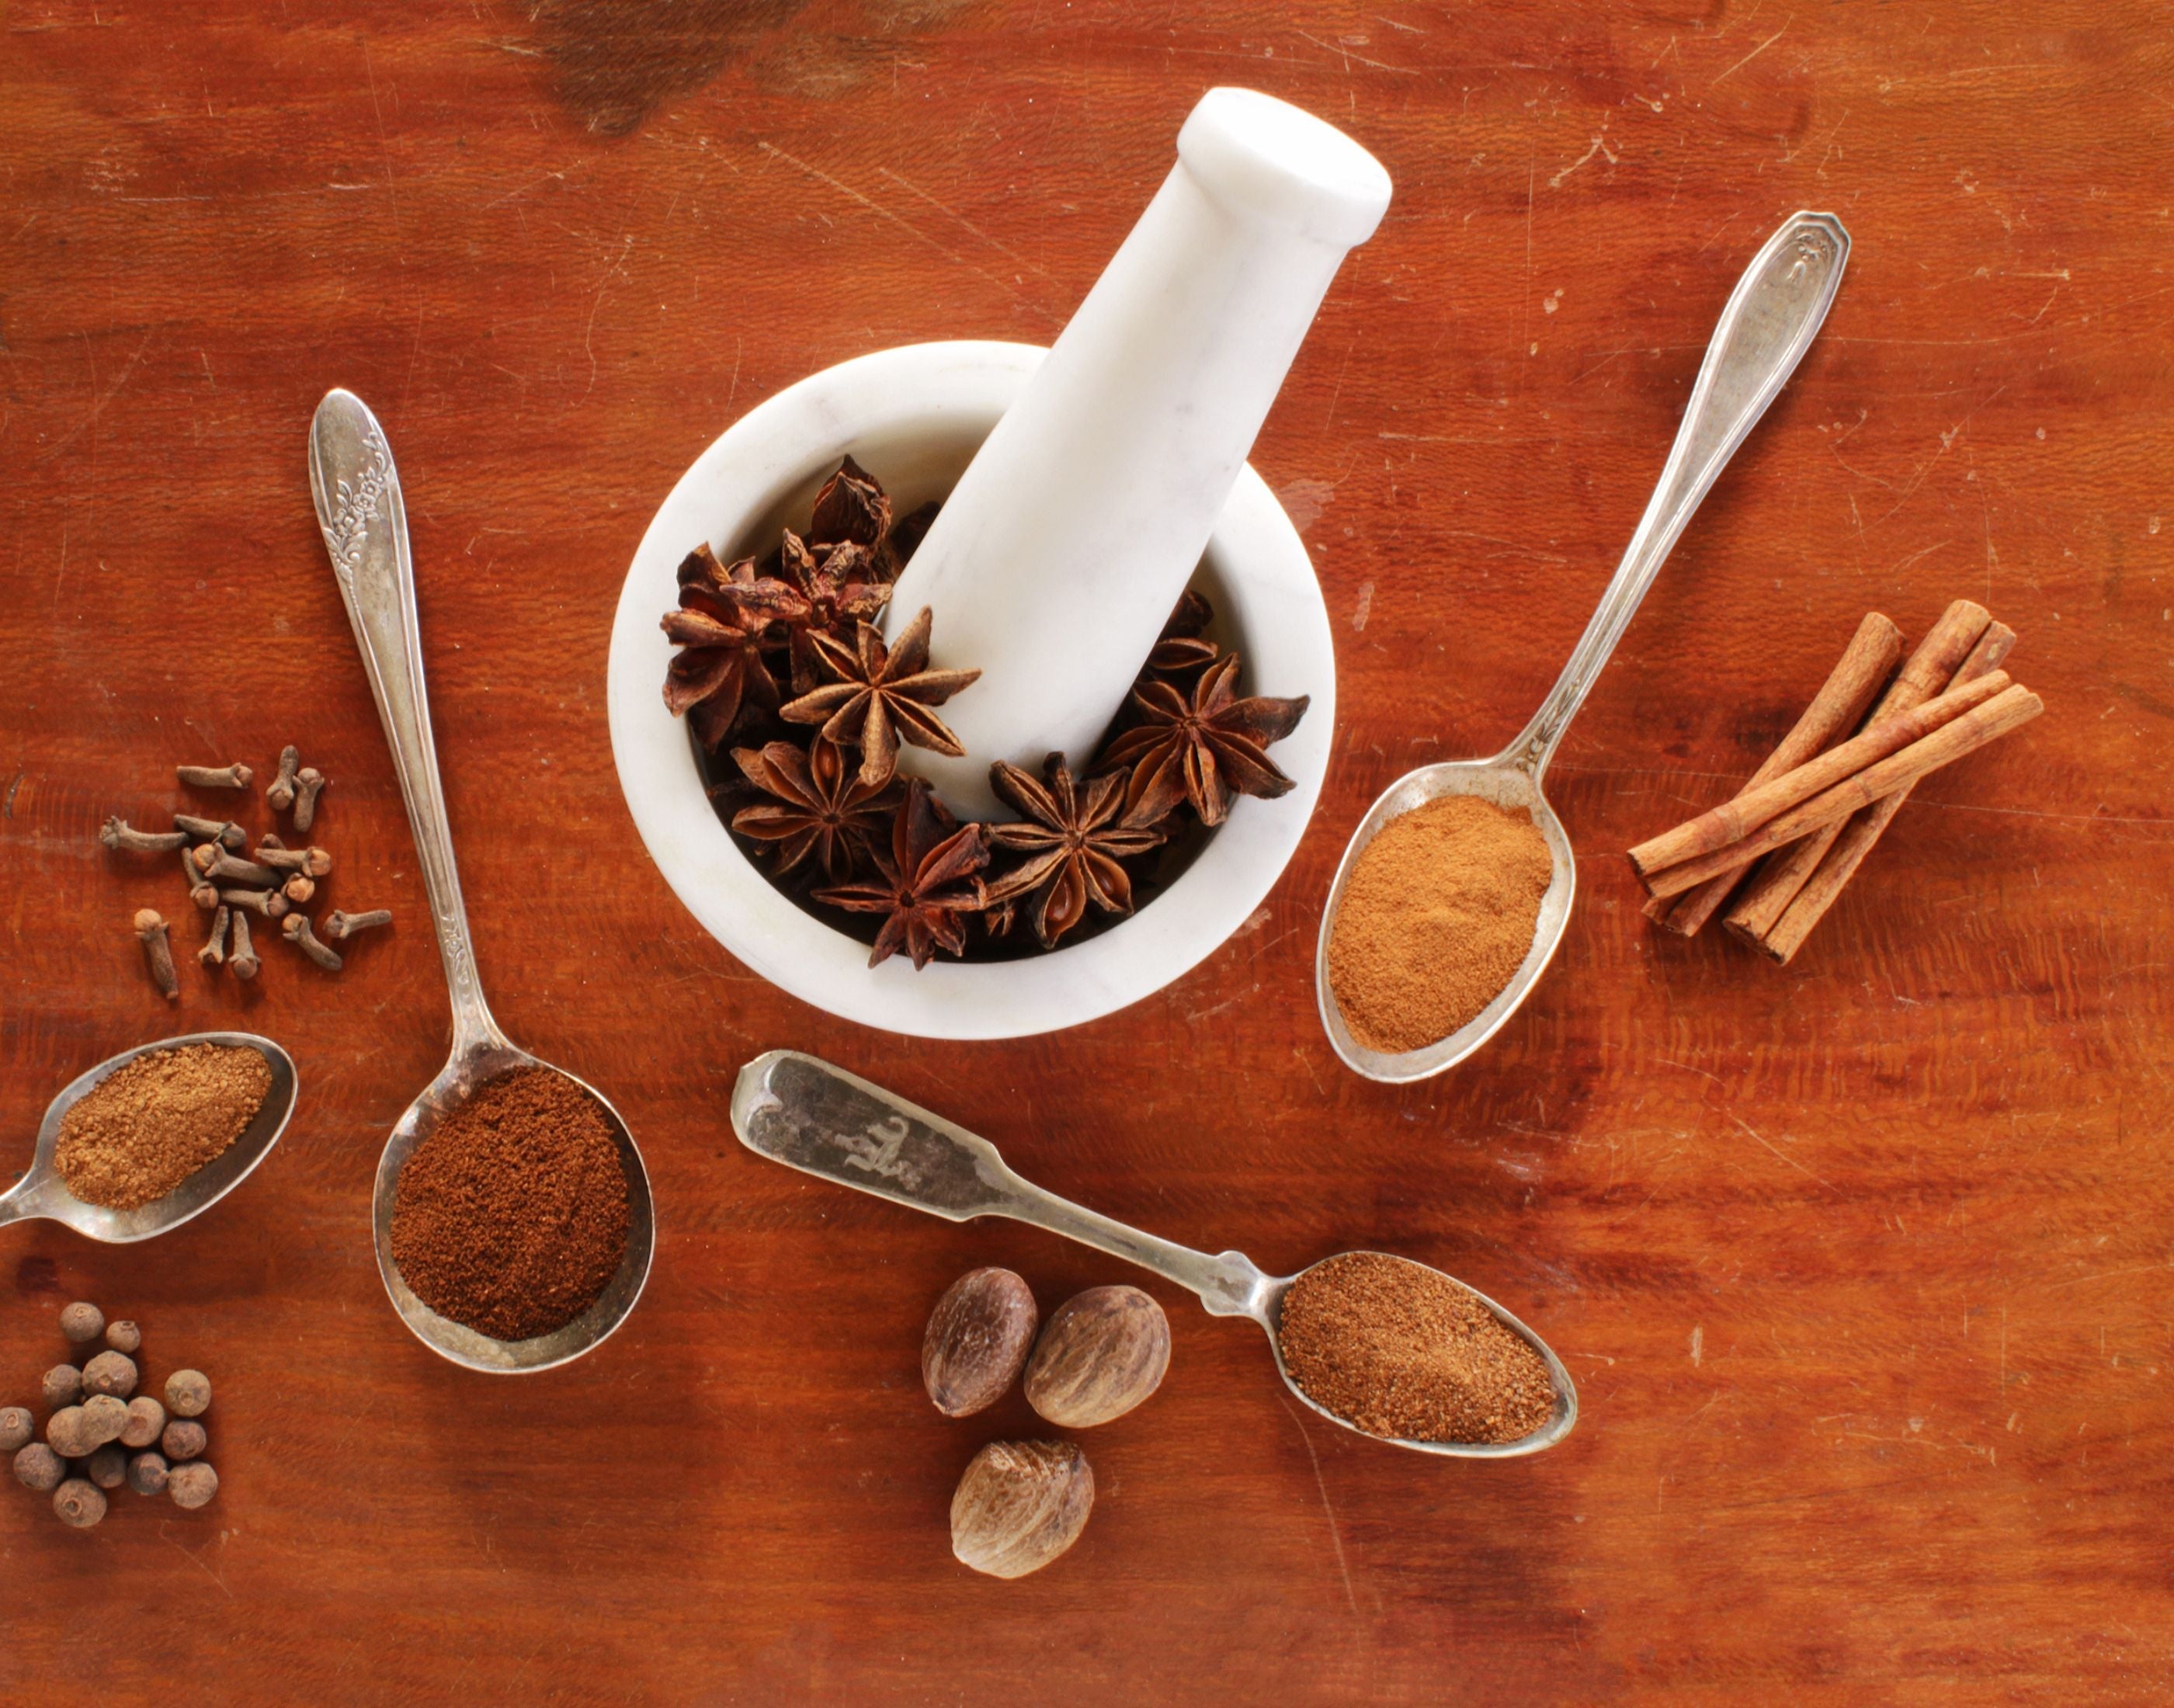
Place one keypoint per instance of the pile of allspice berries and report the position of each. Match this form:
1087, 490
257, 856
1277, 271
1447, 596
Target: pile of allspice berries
102, 1432
1021, 1504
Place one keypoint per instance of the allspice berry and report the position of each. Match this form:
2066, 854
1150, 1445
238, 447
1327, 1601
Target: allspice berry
188, 1393
124, 1337
81, 1321
80, 1504
978, 1338
65, 1431
38, 1467
108, 1466
146, 1418
111, 1373
193, 1485
146, 1473
62, 1386
104, 1418
1021, 1505
1104, 1351
15, 1427
181, 1439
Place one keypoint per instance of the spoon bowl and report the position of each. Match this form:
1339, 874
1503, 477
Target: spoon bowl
808, 1115
41, 1193
1764, 330
364, 522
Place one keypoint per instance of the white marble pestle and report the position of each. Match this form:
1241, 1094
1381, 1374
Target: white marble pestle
1059, 554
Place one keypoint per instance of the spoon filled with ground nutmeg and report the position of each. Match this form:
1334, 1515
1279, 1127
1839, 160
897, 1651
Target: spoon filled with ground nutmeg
1378, 1344
1457, 886
512, 1214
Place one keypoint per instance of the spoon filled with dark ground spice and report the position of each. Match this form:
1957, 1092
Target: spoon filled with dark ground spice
512, 1213
156, 1135
1380, 1344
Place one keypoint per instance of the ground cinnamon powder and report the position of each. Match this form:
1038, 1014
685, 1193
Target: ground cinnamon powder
511, 1216
149, 1124
1437, 918
1401, 1350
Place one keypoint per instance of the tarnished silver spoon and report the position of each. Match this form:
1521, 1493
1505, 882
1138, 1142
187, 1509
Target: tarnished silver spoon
805, 1113
1764, 332
41, 1193
366, 528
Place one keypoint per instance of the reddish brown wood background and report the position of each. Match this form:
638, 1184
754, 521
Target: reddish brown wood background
1863, 1265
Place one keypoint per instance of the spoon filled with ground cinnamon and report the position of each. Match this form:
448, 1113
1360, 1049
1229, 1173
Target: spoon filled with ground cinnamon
1436, 925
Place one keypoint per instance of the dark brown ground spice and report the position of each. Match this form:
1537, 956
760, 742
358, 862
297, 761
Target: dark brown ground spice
511, 1217
147, 1126
1399, 1350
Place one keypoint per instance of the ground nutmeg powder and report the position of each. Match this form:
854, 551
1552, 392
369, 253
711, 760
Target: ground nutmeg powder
151, 1123
511, 1216
1437, 918
1401, 1350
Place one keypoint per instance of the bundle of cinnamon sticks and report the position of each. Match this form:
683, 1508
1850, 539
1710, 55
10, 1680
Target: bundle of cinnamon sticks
1803, 823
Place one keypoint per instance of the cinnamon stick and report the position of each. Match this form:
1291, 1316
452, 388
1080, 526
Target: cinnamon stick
1930, 671
1855, 838
2014, 706
1864, 668
1731, 822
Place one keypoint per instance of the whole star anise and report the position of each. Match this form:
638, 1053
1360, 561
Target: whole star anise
925, 886
1201, 748
817, 807
852, 507
883, 694
1181, 646
720, 670
1074, 843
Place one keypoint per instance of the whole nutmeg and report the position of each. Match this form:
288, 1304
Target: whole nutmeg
146, 1473
80, 1504
39, 1467
188, 1393
181, 1439
81, 1321
146, 1418
1019, 1506
1104, 1351
111, 1373
62, 1385
108, 1466
124, 1337
104, 1418
65, 1431
15, 1427
192, 1485
978, 1338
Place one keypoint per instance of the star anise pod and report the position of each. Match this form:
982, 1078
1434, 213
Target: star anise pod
925, 885
719, 671
817, 807
883, 694
1074, 843
838, 591
1181, 647
1202, 748
851, 506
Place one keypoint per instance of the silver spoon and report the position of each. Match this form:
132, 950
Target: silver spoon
42, 1194
366, 526
1764, 332
821, 1119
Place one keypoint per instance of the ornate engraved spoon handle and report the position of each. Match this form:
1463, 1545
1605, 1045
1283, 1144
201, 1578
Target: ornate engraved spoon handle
357, 491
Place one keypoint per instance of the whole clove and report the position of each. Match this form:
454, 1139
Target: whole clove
340, 927
309, 862
307, 784
223, 867
212, 954
158, 953
300, 889
118, 834
279, 792
225, 832
269, 903
242, 960
299, 934
202, 893
234, 776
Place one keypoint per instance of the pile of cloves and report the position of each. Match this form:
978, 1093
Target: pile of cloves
100, 1433
273, 883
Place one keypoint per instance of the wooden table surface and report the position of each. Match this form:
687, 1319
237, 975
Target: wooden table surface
1862, 1265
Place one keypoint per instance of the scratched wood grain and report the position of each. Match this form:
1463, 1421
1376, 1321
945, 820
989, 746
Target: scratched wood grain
1862, 1265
